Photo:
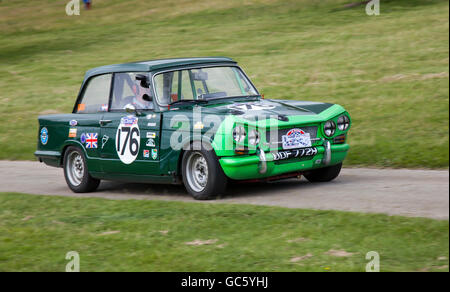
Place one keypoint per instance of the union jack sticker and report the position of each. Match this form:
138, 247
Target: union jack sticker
91, 140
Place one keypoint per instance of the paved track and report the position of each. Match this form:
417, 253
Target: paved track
416, 193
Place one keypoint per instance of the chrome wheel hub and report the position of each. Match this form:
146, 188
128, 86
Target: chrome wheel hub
197, 171
75, 168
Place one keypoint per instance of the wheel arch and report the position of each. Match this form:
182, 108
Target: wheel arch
66, 145
188, 145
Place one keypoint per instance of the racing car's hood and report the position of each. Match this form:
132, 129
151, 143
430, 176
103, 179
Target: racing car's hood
266, 108
260, 112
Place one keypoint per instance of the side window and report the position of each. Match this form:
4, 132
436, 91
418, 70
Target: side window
163, 84
96, 95
173, 86
186, 89
181, 86
200, 85
128, 90
175, 83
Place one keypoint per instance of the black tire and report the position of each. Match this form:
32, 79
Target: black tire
79, 181
324, 174
216, 181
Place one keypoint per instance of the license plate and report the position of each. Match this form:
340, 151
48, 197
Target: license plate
296, 138
281, 155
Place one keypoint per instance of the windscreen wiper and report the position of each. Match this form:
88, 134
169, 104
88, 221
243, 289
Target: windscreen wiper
238, 96
189, 101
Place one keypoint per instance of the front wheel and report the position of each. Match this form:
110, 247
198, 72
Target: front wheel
76, 172
324, 174
203, 176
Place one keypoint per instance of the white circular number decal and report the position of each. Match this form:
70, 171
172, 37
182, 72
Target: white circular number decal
128, 139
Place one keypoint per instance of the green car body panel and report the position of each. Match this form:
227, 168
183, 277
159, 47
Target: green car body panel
182, 120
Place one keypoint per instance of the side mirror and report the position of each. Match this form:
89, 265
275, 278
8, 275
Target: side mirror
144, 80
129, 108
147, 97
200, 76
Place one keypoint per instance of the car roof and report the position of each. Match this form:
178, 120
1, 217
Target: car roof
153, 65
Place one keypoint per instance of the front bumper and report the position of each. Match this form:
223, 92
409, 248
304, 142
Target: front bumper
262, 165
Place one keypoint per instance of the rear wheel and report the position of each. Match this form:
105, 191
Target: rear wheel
324, 174
76, 172
203, 176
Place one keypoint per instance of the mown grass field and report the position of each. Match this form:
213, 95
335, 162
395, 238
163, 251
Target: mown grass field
389, 71
36, 232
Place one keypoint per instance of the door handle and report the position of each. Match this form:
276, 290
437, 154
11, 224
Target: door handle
104, 122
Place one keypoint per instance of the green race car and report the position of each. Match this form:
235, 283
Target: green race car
199, 121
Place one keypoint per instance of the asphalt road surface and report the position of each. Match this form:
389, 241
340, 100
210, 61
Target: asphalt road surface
416, 193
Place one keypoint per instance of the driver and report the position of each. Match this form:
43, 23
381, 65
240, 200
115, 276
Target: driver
138, 100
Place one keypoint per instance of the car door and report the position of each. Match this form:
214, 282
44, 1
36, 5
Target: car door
84, 124
130, 141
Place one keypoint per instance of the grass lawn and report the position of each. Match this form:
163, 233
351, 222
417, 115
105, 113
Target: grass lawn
391, 72
36, 232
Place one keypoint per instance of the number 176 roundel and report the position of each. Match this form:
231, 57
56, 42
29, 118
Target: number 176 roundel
128, 139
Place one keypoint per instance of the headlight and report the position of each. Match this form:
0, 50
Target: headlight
329, 128
239, 134
343, 122
253, 137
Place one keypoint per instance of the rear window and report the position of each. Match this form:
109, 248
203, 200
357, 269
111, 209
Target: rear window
95, 95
